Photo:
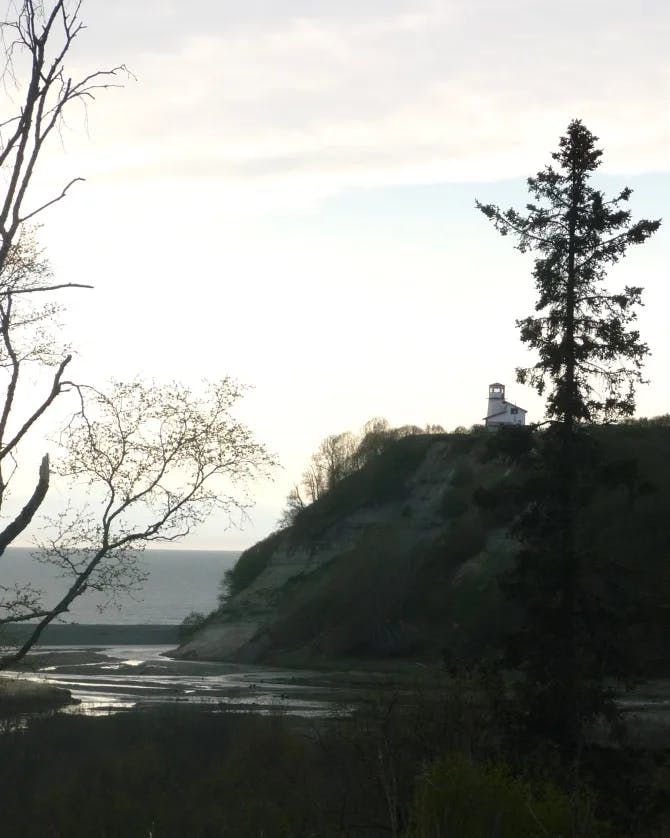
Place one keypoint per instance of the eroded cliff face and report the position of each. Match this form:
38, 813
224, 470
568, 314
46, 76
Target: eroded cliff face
404, 557
351, 581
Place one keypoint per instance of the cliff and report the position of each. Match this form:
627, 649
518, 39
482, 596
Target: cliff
402, 559
386, 564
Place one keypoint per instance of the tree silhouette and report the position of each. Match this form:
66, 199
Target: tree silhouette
587, 351
152, 461
590, 358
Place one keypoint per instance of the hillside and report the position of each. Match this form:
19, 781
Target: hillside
402, 558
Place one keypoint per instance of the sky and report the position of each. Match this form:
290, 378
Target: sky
283, 191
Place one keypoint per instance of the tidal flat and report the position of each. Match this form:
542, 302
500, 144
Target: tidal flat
104, 680
99, 680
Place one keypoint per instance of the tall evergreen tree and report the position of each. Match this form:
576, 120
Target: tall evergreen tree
588, 353
590, 358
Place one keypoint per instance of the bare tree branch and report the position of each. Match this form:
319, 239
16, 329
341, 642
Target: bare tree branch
27, 425
154, 461
63, 193
18, 525
48, 93
38, 288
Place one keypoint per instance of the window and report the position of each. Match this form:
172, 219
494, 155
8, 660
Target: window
514, 410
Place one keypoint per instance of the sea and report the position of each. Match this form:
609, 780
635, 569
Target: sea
178, 582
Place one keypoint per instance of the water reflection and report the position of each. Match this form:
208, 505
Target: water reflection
113, 679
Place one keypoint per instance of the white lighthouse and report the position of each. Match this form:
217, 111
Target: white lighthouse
501, 412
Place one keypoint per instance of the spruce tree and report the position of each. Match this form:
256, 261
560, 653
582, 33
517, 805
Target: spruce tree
589, 360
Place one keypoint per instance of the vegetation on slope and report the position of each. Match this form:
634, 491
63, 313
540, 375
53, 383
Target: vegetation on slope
390, 595
384, 478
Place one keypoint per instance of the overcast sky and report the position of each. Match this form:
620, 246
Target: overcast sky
283, 191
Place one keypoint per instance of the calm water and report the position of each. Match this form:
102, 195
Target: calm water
180, 581
115, 678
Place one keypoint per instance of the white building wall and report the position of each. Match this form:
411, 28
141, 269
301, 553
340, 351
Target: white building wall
508, 417
501, 412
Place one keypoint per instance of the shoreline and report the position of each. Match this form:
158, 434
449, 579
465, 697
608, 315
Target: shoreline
95, 634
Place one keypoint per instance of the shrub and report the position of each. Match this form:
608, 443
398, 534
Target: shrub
456, 796
454, 502
466, 538
190, 624
463, 475
250, 564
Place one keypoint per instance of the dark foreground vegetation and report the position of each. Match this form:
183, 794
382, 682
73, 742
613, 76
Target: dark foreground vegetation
419, 766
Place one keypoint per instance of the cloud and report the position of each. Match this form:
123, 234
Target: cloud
315, 97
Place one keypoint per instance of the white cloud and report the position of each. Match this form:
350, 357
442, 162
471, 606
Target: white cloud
421, 92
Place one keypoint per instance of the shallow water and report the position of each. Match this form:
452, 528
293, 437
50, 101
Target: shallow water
116, 678
112, 679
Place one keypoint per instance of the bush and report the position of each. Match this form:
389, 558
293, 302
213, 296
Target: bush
190, 624
465, 539
166, 773
456, 796
454, 502
250, 565
463, 475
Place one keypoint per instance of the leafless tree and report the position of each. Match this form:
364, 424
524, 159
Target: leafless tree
36, 43
334, 459
340, 455
294, 506
153, 461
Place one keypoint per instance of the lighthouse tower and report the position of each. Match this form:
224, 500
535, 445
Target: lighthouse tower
501, 412
496, 399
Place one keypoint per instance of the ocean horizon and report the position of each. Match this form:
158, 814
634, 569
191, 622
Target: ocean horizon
179, 581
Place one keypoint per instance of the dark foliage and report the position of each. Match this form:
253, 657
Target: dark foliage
589, 355
185, 772
403, 765
391, 595
190, 625
252, 562
575, 600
